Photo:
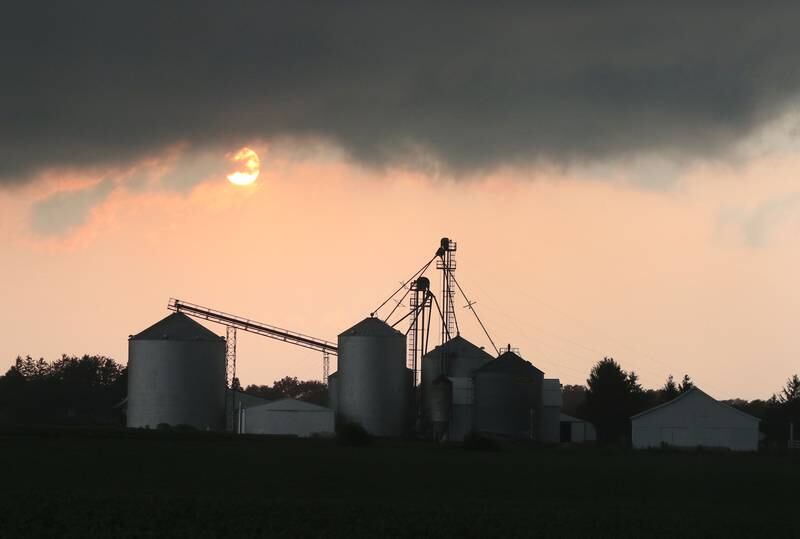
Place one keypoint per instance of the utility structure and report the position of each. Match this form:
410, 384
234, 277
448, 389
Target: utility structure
421, 302
446, 262
234, 323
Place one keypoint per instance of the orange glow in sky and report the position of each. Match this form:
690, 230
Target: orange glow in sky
698, 277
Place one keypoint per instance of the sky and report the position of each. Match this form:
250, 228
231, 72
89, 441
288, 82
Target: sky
620, 181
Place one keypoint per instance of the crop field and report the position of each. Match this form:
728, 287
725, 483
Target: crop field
86, 484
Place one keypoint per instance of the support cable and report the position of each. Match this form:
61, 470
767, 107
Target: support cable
419, 311
414, 312
478, 318
428, 330
408, 291
438, 308
421, 270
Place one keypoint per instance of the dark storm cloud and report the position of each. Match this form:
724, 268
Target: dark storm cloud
474, 85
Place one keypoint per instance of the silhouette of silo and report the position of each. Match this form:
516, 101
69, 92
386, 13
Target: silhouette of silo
440, 406
333, 391
508, 397
457, 359
373, 381
176, 375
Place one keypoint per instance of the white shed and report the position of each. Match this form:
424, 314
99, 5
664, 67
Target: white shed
575, 430
695, 419
288, 417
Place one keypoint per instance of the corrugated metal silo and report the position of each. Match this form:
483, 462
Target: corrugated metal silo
333, 391
441, 399
176, 375
457, 359
441, 402
373, 379
508, 397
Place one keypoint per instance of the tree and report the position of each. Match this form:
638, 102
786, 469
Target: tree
791, 391
686, 384
73, 390
290, 387
573, 398
670, 390
612, 396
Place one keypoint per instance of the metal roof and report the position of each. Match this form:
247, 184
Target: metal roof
290, 405
571, 419
698, 391
371, 327
177, 327
458, 346
509, 362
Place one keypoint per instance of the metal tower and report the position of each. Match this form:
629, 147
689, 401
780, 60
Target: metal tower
447, 264
230, 355
420, 303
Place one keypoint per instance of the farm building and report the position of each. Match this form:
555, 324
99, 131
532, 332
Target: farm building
287, 417
695, 419
551, 410
575, 430
237, 399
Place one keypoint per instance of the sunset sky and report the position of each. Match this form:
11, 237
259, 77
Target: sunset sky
623, 182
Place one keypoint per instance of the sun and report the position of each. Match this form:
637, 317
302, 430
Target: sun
247, 165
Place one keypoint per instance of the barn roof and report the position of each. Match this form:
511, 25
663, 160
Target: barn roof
570, 419
693, 391
290, 405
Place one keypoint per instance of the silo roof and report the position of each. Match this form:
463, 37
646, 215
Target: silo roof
511, 363
177, 327
372, 327
458, 346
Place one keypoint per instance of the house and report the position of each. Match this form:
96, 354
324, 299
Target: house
695, 419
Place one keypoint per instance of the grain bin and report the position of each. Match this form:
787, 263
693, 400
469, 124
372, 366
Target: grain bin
373, 386
508, 398
333, 391
457, 359
176, 376
440, 406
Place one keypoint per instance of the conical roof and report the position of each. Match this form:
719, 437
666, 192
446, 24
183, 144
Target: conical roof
511, 363
459, 347
371, 327
176, 327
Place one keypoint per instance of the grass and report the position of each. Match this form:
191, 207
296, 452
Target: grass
84, 484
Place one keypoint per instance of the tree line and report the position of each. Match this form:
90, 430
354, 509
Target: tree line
90, 390
68, 391
612, 395
312, 391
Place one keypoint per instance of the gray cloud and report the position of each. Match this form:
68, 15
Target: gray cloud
762, 221
67, 210
474, 85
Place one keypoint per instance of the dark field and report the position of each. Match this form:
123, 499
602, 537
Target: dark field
163, 484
